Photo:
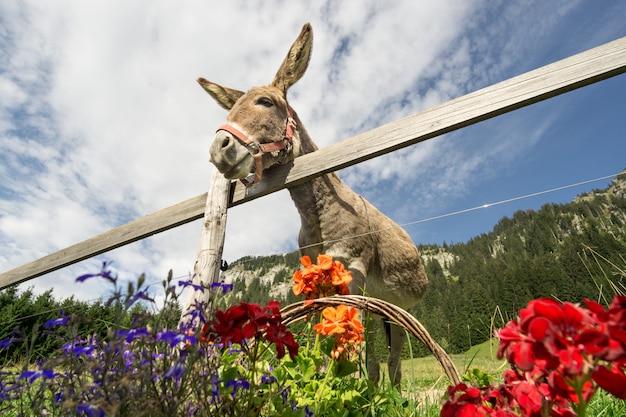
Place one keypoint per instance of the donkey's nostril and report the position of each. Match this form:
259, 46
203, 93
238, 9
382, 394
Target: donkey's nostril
225, 142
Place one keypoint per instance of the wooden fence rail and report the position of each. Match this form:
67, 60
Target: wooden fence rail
586, 68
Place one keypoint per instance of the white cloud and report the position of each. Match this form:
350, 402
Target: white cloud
101, 120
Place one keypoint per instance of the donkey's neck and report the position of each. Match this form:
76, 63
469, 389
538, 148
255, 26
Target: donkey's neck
315, 200
318, 202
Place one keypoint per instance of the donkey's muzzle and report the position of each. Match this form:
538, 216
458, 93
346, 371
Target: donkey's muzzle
230, 157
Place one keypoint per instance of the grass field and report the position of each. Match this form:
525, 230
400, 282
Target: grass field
423, 378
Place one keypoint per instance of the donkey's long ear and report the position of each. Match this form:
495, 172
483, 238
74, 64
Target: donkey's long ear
294, 65
225, 97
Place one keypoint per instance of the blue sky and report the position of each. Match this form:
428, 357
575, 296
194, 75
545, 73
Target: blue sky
101, 121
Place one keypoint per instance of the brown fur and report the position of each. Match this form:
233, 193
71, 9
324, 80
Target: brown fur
335, 220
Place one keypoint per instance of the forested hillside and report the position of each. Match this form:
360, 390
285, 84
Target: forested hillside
568, 251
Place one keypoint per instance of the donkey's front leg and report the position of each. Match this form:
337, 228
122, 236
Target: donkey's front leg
358, 286
373, 364
396, 336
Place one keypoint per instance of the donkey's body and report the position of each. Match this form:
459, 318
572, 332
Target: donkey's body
335, 220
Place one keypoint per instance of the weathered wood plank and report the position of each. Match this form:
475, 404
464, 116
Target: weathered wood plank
586, 68
579, 70
141, 228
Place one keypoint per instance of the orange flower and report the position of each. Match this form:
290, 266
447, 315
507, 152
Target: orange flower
340, 277
325, 262
354, 328
325, 278
344, 323
334, 321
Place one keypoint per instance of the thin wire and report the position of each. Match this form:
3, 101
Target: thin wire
511, 200
455, 213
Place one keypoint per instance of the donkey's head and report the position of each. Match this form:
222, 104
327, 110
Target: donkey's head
261, 129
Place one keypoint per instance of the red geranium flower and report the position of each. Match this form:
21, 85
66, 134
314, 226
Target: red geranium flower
547, 335
228, 325
608, 340
281, 337
567, 347
247, 321
467, 401
611, 380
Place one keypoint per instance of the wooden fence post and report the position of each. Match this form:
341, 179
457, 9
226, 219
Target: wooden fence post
206, 269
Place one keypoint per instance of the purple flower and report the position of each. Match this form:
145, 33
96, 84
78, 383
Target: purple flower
32, 376
284, 393
196, 314
104, 273
79, 348
236, 384
6, 391
225, 287
6, 343
129, 356
89, 410
189, 283
139, 295
61, 321
268, 379
176, 371
232, 350
173, 338
132, 334
215, 390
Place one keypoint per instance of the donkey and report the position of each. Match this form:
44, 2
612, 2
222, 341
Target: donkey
262, 130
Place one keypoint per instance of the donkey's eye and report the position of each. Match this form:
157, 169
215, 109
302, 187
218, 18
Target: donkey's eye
264, 101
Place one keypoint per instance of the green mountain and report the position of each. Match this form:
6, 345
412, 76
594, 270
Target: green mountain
569, 251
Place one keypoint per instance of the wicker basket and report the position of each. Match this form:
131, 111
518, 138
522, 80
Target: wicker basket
298, 311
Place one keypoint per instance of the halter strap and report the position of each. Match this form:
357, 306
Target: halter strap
258, 149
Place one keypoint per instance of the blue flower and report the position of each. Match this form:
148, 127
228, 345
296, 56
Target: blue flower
59, 397
173, 338
225, 287
196, 314
104, 273
129, 356
236, 384
32, 376
61, 321
139, 295
6, 391
284, 393
132, 334
268, 379
189, 283
215, 390
79, 348
176, 371
6, 343
89, 410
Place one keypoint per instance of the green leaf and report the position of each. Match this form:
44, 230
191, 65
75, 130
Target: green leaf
345, 368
